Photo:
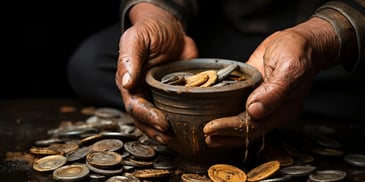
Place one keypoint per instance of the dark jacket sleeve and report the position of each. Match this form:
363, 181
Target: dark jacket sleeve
183, 10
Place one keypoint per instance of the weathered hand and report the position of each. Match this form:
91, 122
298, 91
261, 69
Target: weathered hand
155, 37
288, 61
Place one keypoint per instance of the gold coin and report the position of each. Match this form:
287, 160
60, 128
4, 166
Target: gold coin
152, 173
196, 80
263, 171
49, 163
191, 177
74, 172
212, 78
44, 151
226, 173
104, 159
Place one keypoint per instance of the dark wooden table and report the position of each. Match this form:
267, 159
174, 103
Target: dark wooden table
24, 121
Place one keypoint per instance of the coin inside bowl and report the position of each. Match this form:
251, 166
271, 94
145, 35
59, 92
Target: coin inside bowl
189, 108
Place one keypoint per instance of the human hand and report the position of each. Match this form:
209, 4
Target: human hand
288, 61
155, 37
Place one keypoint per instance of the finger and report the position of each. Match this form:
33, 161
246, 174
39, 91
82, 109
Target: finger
224, 141
132, 54
225, 126
144, 111
153, 133
190, 50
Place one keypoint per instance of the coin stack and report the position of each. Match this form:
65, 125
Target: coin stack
108, 147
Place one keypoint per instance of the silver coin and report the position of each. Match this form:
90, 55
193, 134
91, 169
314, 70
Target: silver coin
175, 78
74, 172
43, 143
106, 172
129, 178
107, 145
139, 150
355, 159
283, 178
298, 170
326, 141
107, 112
224, 72
77, 154
327, 175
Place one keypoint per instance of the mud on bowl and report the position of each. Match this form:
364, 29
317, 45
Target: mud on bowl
188, 109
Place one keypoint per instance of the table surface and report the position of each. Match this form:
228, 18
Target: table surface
24, 121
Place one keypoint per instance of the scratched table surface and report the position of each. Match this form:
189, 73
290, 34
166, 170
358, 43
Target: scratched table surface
24, 121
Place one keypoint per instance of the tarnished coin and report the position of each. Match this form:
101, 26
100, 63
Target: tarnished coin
139, 150
152, 173
91, 138
175, 78
355, 159
224, 72
327, 176
66, 147
47, 142
326, 141
226, 172
44, 151
128, 178
49, 163
263, 171
137, 163
104, 159
73, 172
212, 78
298, 170
107, 145
106, 172
326, 151
77, 154
107, 112
277, 179
192, 177
196, 80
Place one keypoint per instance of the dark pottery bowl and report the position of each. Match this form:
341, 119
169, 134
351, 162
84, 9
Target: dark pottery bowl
188, 109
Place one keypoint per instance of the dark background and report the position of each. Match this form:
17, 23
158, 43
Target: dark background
51, 32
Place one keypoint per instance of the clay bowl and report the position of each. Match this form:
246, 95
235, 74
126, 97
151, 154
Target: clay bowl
188, 109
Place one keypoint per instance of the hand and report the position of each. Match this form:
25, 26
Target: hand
155, 37
288, 61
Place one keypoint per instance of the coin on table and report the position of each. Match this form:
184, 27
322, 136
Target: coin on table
44, 151
226, 172
128, 178
106, 112
263, 171
355, 159
152, 173
326, 141
327, 176
326, 151
139, 150
298, 170
107, 145
104, 159
49, 163
106, 172
73, 172
192, 177
47, 142
77, 154
277, 179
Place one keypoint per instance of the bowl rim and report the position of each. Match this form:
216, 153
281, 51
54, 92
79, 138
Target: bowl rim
255, 77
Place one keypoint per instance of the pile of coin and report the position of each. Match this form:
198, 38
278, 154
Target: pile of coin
206, 78
108, 147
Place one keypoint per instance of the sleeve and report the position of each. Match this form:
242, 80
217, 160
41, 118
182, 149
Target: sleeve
348, 20
183, 10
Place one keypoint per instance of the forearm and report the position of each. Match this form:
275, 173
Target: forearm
182, 10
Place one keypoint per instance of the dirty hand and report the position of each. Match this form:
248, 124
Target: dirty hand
155, 37
288, 61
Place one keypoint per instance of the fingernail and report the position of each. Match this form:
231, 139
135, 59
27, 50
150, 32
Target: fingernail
256, 110
158, 128
159, 139
126, 79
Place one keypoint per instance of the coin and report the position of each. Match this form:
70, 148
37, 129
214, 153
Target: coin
44, 151
107, 112
49, 163
326, 141
47, 142
192, 177
77, 154
327, 176
103, 158
151, 173
129, 178
326, 151
224, 72
226, 173
175, 78
137, 163
271, 153
212, 78
107, 145
139, 150
196, 80
73, 172
106, 172
298, 170
282, 178
355, 159
263, 171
